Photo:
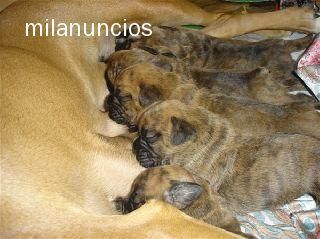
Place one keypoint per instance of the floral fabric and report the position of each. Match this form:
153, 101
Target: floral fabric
297, 220
308, 68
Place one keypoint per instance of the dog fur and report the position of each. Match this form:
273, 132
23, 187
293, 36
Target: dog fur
244, 173
156, 71
59, 175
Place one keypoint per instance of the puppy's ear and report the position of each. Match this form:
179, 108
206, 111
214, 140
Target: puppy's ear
149, 95
182, 194
181, 132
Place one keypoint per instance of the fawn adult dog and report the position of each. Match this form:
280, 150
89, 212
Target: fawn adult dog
59, 175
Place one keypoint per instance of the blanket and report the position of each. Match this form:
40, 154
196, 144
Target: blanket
297, 220
308, 68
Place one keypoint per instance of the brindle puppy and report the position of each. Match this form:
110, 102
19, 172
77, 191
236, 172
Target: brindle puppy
226, 62
121, 60
249, 174
136, 87
257, 84
234, 83
177, 186
144, 84
242, 126
203, 51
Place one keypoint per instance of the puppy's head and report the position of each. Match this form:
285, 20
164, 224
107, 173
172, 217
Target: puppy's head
136, 88
173, 132
121, 60
171, 184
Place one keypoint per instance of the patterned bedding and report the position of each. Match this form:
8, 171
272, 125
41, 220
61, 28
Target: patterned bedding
297, 220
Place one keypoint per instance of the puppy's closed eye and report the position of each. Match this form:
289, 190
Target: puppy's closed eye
168, 54
124, 97
152, 136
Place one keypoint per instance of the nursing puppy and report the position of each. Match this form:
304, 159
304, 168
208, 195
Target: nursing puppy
143, 84
58, 175
204, 51
260, 84
177, 186
245, 174
122, 60
227, 82
137, 87
202, 126
201, 51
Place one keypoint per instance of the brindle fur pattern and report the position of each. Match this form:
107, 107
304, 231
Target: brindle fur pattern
260, 84
177, 186
203, 51
244, 173
143, 84
249, 145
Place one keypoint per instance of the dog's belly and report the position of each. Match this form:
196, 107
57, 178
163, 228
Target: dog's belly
53, 164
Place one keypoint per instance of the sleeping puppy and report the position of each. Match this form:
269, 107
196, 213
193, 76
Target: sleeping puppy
229, 82
203, 51
143, 84
177, 186
257, 84
136, 87
121, 60
160, 127
243, 174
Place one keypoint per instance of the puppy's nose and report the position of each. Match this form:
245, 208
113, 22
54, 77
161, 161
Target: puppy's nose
114, 110
132, 128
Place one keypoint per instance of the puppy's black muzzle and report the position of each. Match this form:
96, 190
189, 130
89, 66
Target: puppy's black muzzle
125, 205
114, 107
144, 152
117, 113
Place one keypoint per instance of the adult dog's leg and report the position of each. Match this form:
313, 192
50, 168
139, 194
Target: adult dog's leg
299, 19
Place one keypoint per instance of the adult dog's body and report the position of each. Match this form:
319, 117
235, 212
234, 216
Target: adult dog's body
58, 174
